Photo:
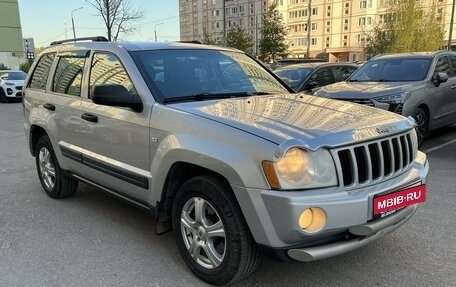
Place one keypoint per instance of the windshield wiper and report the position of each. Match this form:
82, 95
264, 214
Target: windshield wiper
208, 96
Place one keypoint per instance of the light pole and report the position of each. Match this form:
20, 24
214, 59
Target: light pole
72, 21
155, 30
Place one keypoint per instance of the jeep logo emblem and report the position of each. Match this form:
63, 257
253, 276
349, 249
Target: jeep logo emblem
383, 130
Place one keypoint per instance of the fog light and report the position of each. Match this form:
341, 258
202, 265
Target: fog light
312, 219
9, 91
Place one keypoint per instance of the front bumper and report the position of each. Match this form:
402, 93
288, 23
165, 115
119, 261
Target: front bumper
273, 216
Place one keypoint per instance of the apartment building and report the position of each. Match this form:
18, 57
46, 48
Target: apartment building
199, 17
11, 46
338, 28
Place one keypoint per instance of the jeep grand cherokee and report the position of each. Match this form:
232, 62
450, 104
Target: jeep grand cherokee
221, 151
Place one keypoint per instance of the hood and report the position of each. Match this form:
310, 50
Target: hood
307, 121
365, 90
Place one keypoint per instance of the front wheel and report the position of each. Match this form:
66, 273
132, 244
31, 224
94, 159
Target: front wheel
52, 178
211, 233
422, 127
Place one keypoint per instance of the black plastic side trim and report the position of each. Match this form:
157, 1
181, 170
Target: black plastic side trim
124, 175
77, 156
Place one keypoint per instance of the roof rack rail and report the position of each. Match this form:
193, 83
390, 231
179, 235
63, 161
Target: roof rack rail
190, 42
93, 39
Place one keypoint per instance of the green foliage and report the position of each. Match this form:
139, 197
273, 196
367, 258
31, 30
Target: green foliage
408, 26
207, 39
3, 67
25, 66
239, 38
272, 43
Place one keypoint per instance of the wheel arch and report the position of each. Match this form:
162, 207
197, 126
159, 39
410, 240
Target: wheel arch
36, 132
178, 174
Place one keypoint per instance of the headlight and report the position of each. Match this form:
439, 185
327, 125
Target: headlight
300, 169
9, 84
393, 99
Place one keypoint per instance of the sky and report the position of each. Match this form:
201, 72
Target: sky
50, 20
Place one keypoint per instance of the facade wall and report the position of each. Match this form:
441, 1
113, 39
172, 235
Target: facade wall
11, 45
338, 27
206, 16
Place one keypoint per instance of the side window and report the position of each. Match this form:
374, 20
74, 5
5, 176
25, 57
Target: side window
40, 75
107, 69
453, 65
442, 65
341, 73
68, 76
322, 77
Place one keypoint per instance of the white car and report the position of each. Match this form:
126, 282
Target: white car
11, 82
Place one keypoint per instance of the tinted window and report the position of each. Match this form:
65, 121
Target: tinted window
341, 73
107, 69
442, 66
68, 76
322, 77
294, 77
186, 73
40, 75
392, 70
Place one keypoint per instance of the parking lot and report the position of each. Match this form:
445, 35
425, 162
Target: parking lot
93, 239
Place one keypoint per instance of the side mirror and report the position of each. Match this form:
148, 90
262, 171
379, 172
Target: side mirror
440, 78
117, 96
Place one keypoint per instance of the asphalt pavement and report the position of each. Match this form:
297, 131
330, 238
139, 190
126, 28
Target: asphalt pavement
94, 239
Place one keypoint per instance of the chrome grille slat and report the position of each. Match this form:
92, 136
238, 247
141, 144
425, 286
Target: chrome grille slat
363, 164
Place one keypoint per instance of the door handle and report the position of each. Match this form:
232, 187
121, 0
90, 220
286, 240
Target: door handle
453, 86
48, 106
90, 118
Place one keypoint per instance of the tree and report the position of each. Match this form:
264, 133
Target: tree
238, 38
407, 26
207, 39
119, 16
272, 42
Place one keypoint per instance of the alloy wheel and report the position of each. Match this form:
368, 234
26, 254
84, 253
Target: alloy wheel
203, 233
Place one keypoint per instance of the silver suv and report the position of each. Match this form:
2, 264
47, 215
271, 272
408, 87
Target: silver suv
221, 151
421, 85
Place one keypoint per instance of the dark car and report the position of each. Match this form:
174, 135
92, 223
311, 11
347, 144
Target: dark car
308, 77
421, 85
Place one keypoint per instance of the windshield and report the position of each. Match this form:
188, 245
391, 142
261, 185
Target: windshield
13, 76
392, 70
190, 73
294, 77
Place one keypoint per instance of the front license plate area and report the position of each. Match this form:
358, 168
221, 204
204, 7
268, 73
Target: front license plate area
389, 203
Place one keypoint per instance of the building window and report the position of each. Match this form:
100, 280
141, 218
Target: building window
314, 26
363, 4
313, 41
314, 11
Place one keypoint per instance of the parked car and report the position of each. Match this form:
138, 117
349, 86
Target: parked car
309, 77
421, 85
221, 151
11, 82
291, 61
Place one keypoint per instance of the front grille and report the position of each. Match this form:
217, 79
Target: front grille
374, 161
19, 88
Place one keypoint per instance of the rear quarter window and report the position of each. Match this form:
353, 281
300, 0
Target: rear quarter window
40, 75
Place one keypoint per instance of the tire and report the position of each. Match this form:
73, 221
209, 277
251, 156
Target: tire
55, 183
422, 128
234, 252
3, 98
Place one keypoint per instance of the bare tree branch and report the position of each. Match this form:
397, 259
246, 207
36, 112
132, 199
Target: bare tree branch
119, 16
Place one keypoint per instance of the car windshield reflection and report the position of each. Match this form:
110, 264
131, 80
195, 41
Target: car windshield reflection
392, 70
186, 73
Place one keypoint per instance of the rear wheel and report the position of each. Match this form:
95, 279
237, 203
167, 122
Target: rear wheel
211, 233
54, 181
422, 128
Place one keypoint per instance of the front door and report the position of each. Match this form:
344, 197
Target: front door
115, 139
